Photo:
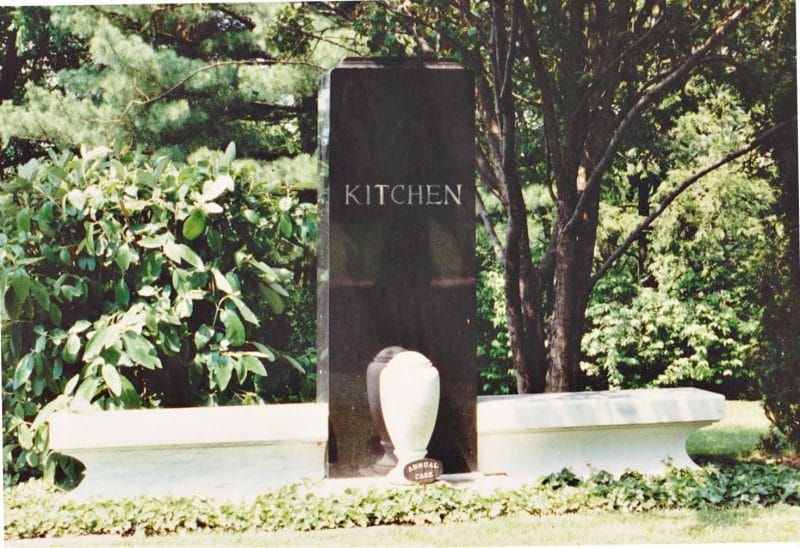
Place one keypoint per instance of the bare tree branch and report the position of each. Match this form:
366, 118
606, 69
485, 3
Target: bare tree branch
633, 236
490, 176
729, 23
499, 252
511, 53
626, 54
527, 101
533, 51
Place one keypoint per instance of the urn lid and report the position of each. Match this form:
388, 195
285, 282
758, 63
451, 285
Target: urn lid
410, 359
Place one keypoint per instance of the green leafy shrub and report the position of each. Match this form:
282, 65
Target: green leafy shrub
495, 371
780, 382
658, 340
32, 510
780, 386
778, 363
131, 281
687, 309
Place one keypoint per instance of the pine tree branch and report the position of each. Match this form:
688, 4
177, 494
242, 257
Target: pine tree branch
320, 38
634, 235
257, 110
186, 47
181, 83
331, 9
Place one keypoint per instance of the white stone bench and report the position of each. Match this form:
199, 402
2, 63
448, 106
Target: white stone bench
535, 435
222, 452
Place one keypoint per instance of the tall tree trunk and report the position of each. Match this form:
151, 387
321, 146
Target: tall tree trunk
531, 291
307, 124
519, 274
9, 69
572, 283
523, 301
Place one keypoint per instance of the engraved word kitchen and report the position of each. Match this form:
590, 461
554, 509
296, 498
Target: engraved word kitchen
402, 195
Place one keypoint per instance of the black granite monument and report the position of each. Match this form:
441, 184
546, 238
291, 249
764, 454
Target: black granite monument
396, 250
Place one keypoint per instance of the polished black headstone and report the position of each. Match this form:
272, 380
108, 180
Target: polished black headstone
396, 250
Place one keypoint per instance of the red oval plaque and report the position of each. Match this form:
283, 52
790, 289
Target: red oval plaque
423, 470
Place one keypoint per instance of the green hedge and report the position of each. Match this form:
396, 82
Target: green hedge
32, 510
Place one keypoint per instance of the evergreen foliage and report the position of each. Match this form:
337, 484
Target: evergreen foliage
174, 78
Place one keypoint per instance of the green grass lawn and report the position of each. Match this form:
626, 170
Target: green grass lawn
735, 438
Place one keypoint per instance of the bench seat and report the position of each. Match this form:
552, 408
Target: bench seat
223, 452
538, 434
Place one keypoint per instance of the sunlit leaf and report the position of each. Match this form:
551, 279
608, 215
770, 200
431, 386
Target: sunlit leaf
23, 370
111, 378
221, 281
254, 365
246, 313
234, 329
140, 350
194, 225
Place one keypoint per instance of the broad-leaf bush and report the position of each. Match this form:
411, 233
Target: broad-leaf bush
687, 308
132, 281
33, 510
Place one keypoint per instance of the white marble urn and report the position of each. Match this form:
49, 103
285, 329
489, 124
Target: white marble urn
409, 394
